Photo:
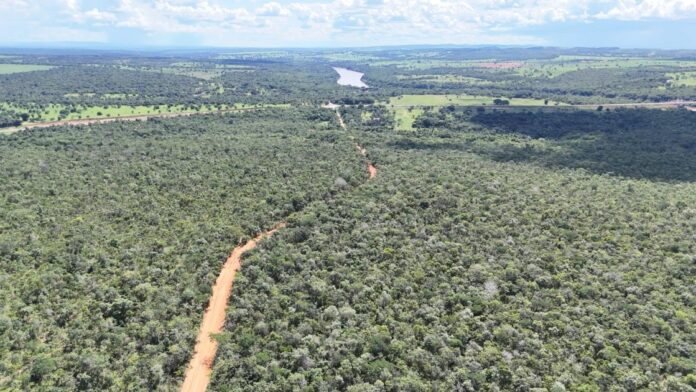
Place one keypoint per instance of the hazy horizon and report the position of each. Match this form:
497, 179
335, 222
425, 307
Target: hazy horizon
122, 24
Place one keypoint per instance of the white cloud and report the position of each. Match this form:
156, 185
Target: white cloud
272, 9
334, 21
13, 4
100, 16
648, 9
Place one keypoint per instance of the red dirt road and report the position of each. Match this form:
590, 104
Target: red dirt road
200, 367
370, 167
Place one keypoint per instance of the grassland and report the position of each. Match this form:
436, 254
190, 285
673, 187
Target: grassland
406, 108
682, 78
427, 63
348, 56
18, 68
459, 100
62, 112
405, 117
194, 70
446, 78
565, 64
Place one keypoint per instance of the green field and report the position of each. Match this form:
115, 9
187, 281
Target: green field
18, 68
405, 117
682, 78
565, 64
446, 78
429, 63
406, 108
459, 100
53, 112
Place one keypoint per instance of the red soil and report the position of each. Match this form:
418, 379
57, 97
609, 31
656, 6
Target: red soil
200, 367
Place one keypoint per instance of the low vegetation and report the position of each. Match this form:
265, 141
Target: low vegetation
18, 68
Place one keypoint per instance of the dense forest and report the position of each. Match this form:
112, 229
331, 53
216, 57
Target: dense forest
111, 235
53, 85
10, 118
540, 247
653, 144
578, 76
457, 272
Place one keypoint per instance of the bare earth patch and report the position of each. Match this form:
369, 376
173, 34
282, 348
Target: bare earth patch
201, 365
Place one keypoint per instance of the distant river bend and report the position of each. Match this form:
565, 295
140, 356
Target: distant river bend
351, 78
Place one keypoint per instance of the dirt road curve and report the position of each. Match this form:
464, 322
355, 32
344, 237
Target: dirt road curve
200, 367
370, 167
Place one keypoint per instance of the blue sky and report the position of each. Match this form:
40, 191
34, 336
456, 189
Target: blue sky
258, 23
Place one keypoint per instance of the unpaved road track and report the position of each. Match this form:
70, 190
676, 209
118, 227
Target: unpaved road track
340, 120
199, 369
370, 167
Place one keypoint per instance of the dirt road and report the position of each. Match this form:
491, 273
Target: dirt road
200, 367
370, 167
340, 120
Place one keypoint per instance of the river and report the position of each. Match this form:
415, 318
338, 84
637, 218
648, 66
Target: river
350, 78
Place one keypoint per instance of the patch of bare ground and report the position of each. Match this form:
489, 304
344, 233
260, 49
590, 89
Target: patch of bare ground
199, 369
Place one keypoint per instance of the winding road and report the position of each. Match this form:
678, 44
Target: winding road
200, 367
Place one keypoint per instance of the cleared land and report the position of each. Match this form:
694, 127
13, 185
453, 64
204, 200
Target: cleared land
460, 100
682, 78
18, 68
407, 108
405, 117
200, 367
51, 115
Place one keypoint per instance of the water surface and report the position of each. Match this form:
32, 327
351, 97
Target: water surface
350, 78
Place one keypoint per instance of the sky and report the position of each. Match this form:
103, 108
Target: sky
660, 24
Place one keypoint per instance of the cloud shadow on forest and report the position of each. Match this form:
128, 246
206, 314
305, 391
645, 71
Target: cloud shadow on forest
654, 145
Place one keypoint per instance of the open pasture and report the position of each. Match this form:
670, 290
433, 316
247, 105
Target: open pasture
6, 69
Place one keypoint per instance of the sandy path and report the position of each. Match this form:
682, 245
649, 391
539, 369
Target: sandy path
340, 120
370, 167
200, 367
